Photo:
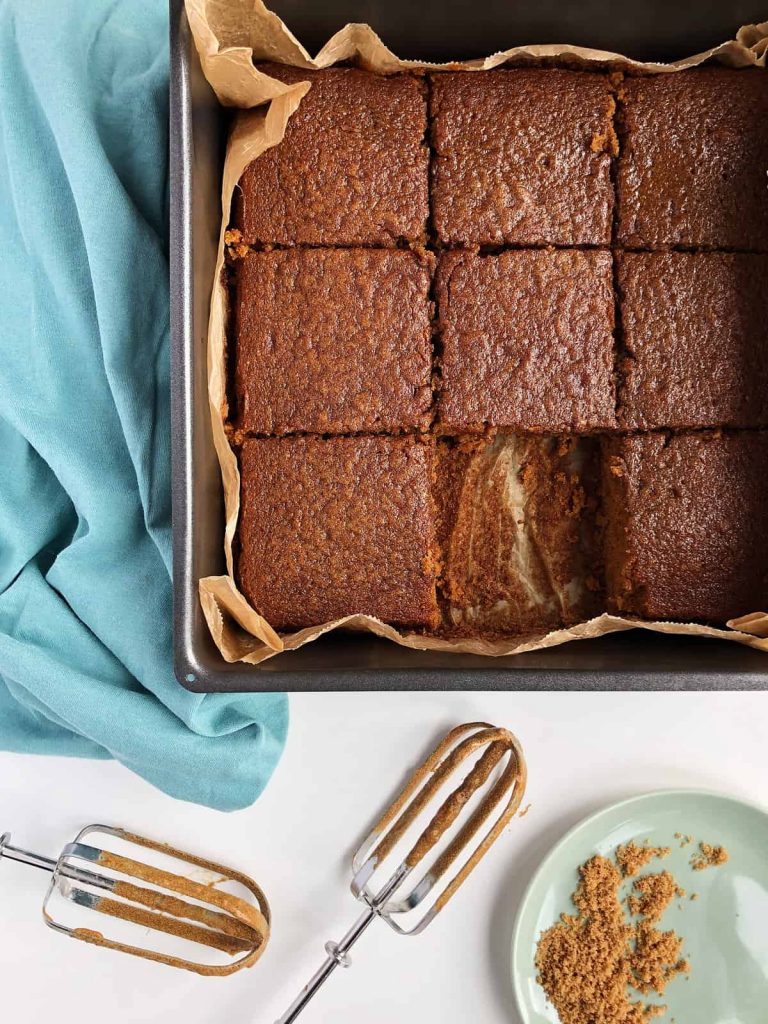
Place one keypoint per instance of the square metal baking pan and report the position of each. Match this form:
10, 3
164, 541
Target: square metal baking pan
432, 30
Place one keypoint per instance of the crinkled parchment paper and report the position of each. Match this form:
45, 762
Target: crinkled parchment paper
230, 35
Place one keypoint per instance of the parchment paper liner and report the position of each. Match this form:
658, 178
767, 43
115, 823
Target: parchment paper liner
230, 35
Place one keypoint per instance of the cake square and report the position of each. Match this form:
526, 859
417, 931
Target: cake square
527, 341
331, 527
685, 534
694, 156
332, 340
352, 168
695, 335
517, 526
522, 157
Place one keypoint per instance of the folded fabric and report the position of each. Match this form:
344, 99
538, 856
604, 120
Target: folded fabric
85, 542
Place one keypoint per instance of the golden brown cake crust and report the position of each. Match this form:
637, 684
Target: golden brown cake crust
352, 168
694, 154
331, 527
695, 335
527, 341
332, 340
685, 534
522, 157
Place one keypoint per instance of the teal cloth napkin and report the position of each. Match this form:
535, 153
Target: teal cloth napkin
85, 537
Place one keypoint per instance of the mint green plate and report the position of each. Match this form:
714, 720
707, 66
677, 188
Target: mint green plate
725, 931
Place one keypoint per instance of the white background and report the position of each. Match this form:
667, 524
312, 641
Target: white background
346, 756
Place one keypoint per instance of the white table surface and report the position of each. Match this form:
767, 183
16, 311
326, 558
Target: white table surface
346, 755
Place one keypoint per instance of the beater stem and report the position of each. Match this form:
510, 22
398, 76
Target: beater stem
338, 951
36, 860
337, 956
24, 856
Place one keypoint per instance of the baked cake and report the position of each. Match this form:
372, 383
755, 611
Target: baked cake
522, 157
352, 168
443, 287
694, 156
695, 339
332, 527
332, 340
527, 341
686, 517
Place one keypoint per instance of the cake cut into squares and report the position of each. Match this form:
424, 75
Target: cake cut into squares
522, 157
332, 340
331, 527
527, 341
519, 533
352, 168
695, 333
686, 516
694, 156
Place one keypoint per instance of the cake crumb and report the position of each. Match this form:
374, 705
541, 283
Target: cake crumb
607, 141
631, 857
656, 959
709, 857
654, 893
235, 247
684, 839
592, 964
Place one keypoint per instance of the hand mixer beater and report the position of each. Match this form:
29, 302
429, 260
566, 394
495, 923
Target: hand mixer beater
496, 781
173, 913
